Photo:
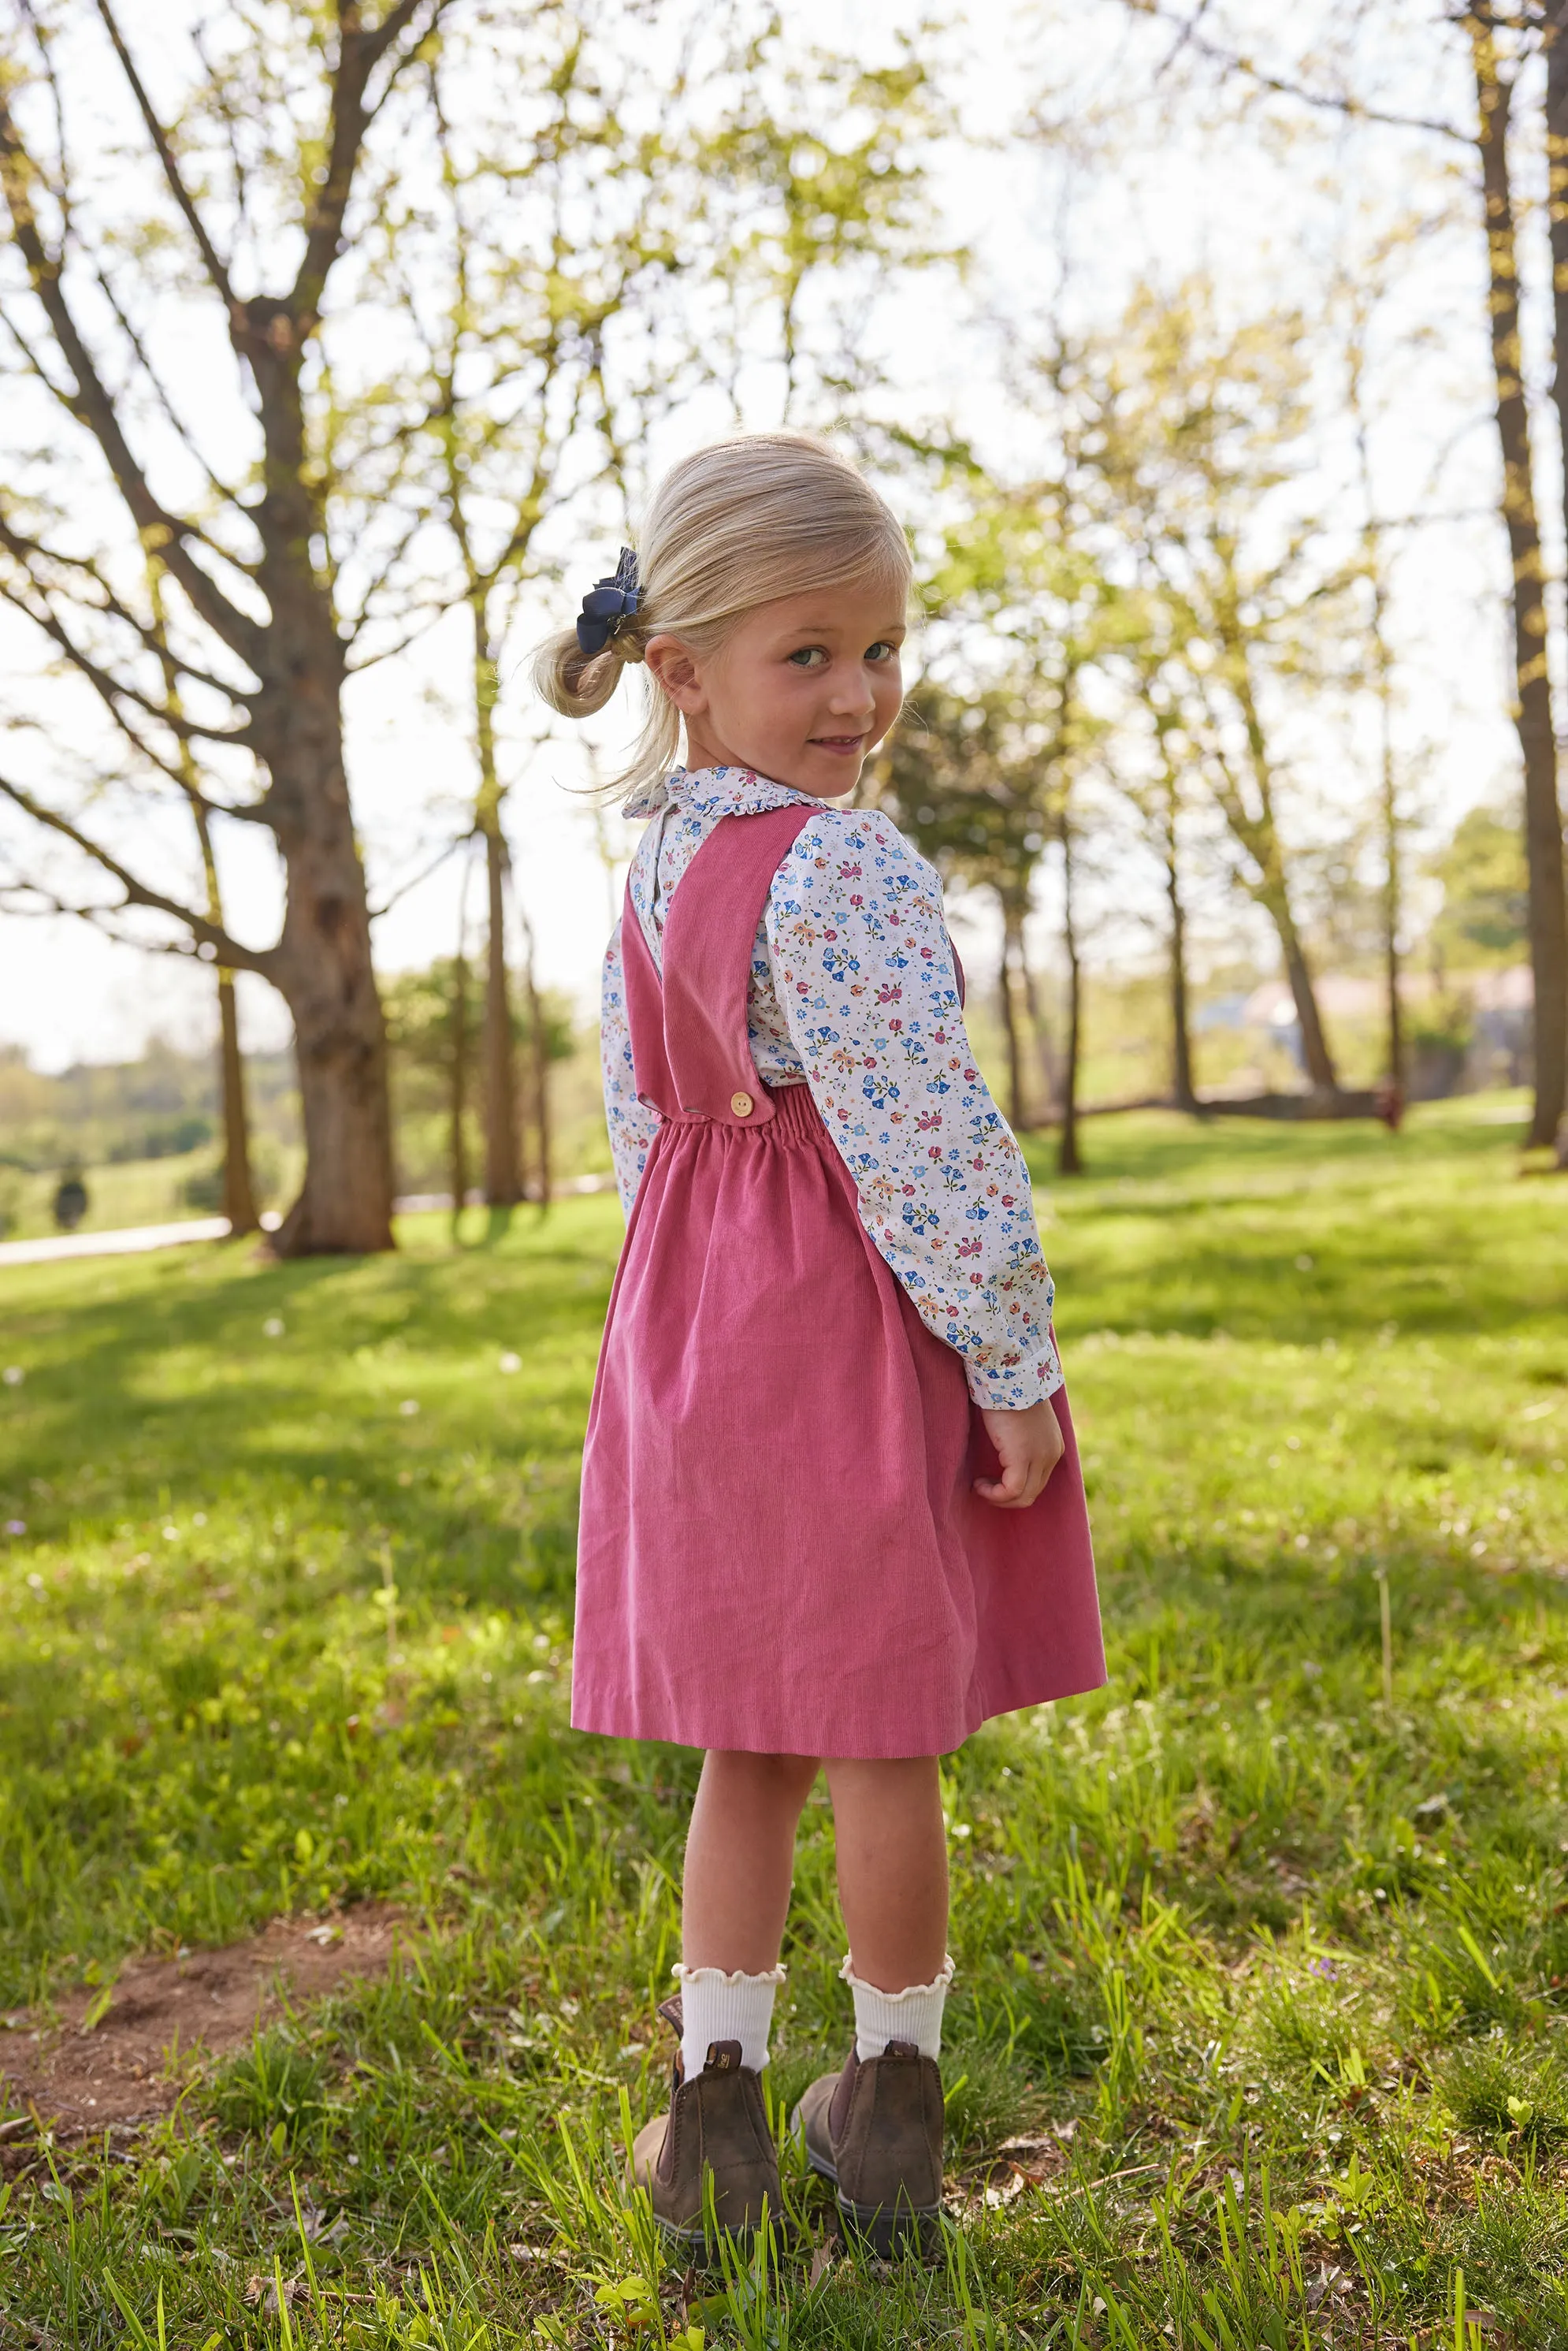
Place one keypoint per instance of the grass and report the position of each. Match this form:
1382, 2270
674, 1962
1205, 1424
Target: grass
1262, 1956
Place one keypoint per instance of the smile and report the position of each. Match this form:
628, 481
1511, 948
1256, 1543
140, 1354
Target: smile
841, 744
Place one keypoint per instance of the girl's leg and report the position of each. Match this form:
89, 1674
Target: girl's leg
740, 1859
876, 2129
893, 1868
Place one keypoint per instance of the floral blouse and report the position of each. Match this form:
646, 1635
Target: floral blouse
852, 993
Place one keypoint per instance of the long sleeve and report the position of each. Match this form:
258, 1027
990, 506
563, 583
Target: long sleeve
631, 1122
862, 967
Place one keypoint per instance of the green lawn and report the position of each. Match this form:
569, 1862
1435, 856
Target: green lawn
1273, 1971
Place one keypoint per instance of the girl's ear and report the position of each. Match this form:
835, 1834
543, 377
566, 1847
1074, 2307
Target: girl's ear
675, 672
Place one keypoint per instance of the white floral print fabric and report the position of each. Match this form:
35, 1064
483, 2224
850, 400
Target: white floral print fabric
853, 993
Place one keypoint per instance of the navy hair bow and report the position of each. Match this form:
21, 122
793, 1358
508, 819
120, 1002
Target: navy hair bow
608, 606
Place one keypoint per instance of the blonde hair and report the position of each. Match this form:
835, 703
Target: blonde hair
762, 515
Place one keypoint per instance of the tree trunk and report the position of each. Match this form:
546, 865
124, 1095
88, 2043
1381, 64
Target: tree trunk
324, 975
1044, 1047
323, 969
457, 1141
1532, 688
1007, 1005
503, 1176
1322, 1075
321, 965
1069, 1159
503, 1173
540, 1062
1392, 900
1183, 1090
239, 1196
1260, 836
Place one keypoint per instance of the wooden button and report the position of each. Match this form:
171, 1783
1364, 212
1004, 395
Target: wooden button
742, 1105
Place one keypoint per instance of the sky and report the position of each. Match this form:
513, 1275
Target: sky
1112, 192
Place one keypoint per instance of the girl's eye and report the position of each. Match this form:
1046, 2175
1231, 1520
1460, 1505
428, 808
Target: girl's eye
881, 650
807, 656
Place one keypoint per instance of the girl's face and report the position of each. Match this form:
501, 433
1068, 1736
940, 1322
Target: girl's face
801, 690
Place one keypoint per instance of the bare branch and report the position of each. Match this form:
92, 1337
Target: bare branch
138, 892
31, 554
1327, 101
161, 395
216, 269
15, 898
92, 404
352, 630
351, 115
111, 691
439, 607
424, 874
220, 98
1186, 33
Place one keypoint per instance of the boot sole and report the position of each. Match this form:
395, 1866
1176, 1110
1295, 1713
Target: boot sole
693, 2234
888, 2234
904, 2230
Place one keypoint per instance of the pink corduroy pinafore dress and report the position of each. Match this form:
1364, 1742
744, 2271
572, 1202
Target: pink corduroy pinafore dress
780, 1548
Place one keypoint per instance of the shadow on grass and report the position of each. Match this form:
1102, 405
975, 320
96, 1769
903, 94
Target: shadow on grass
377, 1381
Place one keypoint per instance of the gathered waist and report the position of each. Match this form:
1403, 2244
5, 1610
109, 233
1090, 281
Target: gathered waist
796, 1119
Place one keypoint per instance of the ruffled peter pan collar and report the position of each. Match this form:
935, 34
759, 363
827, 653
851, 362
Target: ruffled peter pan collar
717, 791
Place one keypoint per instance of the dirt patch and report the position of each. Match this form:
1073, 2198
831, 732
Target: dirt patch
164, 2016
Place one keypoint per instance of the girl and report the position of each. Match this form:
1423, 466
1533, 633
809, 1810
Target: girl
817, 1531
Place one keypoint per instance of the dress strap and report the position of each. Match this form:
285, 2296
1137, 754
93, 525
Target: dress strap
689, 1043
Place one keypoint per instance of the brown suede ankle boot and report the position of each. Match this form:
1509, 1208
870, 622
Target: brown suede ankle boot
717, 2123
875, 2131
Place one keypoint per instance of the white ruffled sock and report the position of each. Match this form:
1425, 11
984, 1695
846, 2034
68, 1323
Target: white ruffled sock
914, 2014
719, 2007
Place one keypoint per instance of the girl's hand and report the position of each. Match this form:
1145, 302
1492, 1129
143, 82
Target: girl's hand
1028, 1445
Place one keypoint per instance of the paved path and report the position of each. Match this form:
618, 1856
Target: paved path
115, 1244
133, 1238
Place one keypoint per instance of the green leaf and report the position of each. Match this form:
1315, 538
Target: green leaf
97, 2009
1479, 1956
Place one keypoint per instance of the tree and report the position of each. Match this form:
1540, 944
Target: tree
1366, 288
267, 154
303, 184
433, 1016
1496, 42
1159, 799
1186, 449
238, 1191
966, 776
1532, 681
1485, 880
515, 359
994, 781
602, 247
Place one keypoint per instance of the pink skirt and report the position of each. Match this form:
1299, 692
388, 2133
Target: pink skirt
780, 1550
